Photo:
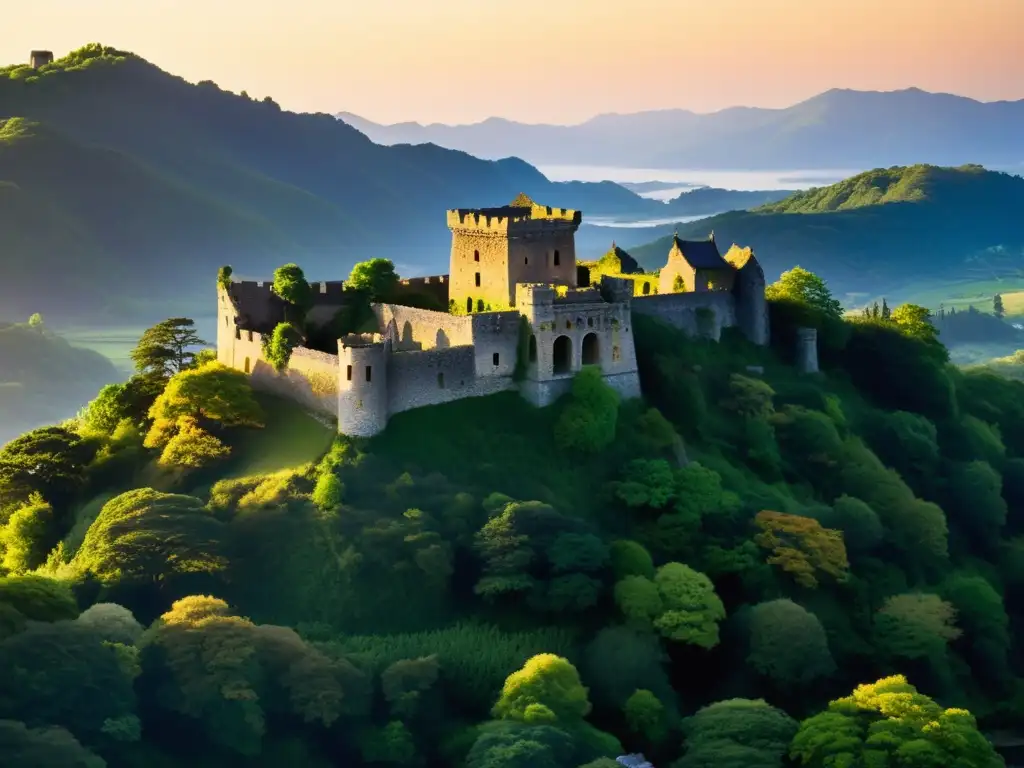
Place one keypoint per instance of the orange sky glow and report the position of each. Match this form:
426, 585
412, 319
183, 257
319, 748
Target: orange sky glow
459, 61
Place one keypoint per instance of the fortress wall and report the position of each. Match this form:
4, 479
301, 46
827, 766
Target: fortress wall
420, 329
311, 377
496, 333
680, 309
255, 304
435, 286
439, 375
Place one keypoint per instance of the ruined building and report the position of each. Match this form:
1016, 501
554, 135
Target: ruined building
522, 315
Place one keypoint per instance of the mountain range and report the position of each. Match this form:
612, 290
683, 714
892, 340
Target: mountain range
890, 230
123, 188
838, 129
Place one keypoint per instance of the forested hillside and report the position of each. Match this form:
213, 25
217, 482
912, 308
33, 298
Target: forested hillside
749, 567
887, 231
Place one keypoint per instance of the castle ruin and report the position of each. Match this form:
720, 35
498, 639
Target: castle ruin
522, 316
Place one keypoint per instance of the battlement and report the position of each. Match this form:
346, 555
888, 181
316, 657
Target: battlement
327, 288
501, 220
428, 280
535, 294
578, 296
359, 340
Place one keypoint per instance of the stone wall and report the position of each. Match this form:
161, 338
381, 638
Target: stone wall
681, 310
479, 269
496, 340
311, 377
532, 259
416, 379
434, 286
420, 329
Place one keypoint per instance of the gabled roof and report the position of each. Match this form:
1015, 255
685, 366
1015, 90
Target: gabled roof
700, 254
626, 264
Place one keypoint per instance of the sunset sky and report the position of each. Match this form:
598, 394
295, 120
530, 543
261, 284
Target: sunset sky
558, 61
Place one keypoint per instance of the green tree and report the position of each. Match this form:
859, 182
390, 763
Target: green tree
645, 715
50, 461
506, 744
377, 277
278, 346
888, 723
145, 536
43, 747
620, 660
915, 321
548, 681
737, 733
801, 287
997, 306
38, 598
27, 537
788, 644
915, 626
589, 419
290, 284
167, 348
692, 610
106, 411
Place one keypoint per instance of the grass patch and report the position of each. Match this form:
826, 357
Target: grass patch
290, 439
496, 443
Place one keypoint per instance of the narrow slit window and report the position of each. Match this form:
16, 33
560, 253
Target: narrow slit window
348, 374
495, 357
477, 279
476, 255
557, 261
440, 380
369, 373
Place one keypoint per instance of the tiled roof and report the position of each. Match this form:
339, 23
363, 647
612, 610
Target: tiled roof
701, 254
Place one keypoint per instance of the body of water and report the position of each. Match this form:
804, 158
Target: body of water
688, 179
604, 221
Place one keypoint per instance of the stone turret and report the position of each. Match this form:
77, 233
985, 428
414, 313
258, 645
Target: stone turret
37, 59
363, 384
807, 350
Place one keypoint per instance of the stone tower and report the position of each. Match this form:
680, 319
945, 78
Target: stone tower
495, 248
37, 59
807, 350
363, 384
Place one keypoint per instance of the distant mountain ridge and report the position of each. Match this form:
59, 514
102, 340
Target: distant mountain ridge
836, 129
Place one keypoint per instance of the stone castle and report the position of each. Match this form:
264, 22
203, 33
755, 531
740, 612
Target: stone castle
523, 315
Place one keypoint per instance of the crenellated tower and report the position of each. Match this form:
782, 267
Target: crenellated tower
363, 384
495, 248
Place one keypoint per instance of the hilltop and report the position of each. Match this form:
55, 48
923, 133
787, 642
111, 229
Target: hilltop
836, 129
886, 230
119, 180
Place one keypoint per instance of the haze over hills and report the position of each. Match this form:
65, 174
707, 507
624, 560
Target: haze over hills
122, 186
886, 230
836, 129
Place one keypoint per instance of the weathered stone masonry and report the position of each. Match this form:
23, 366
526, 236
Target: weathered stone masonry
518, 263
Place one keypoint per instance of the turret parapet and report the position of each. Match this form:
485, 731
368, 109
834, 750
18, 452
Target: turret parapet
534, 294
577, 296
357, 340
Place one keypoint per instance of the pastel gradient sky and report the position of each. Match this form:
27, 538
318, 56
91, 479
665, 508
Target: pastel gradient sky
558, 61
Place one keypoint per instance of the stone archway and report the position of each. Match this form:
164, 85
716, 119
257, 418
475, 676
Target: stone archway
561, 355
591, 350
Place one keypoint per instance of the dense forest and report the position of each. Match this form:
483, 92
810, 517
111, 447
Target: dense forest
748, 568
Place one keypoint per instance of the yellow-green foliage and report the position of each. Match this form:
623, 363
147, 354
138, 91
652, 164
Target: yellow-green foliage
912, 183
192, 447
546, 689
80, 59
617, 263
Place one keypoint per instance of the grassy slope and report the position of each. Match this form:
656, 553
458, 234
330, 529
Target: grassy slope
883, 232
290, 438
